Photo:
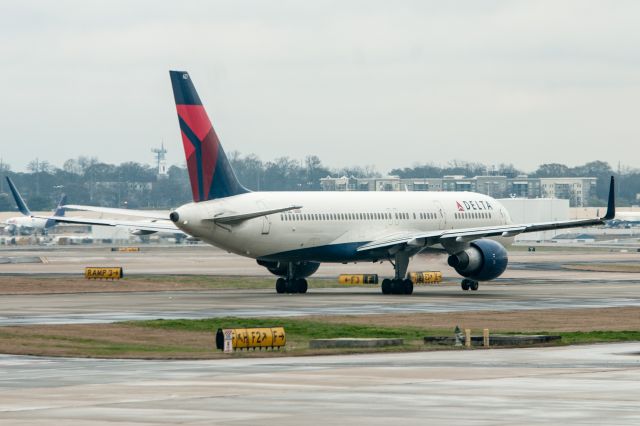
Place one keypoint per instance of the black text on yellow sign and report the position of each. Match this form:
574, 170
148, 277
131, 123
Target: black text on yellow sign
252, 338
358, 279
103, 273
426, 277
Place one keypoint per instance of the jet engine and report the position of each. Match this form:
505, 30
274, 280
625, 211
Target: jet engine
281, 269
484, 260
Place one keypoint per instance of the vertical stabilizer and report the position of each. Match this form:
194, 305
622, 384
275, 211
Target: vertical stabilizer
58, 211
210, 172
22, 206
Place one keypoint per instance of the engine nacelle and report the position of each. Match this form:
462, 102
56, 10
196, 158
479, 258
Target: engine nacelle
483, 261
281, 269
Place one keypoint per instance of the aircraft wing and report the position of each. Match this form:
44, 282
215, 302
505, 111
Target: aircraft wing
141, 225
423, 239
149, 214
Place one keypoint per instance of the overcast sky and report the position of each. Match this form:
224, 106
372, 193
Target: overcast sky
383, 83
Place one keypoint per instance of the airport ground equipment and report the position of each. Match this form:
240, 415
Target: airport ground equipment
103, 273
426, 277
252, 338
358, 279
126, 249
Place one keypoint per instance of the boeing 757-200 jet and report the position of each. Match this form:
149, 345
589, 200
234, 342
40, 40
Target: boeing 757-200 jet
292, 233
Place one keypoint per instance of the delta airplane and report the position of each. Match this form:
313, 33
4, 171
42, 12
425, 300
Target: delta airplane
292, 233
28, 223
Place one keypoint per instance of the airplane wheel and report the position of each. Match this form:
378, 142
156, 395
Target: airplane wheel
386, 286
465, 284
301, 285
407, 286
474, 285
396, 287
281, 285
291, 286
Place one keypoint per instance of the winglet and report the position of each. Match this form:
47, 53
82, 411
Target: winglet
611, 204
22, 206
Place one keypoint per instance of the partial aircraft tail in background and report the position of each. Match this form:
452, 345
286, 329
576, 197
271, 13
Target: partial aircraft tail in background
210, 172
22, 206
58, 212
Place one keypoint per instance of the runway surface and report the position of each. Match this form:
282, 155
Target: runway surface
533, 281
596, 384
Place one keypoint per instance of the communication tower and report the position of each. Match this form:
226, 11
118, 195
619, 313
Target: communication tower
161, 163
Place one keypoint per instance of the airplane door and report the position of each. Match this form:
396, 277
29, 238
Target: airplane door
266, 220
390, 218
394, 216
441, 216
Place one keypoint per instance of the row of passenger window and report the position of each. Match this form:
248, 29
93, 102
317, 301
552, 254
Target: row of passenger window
352, 216
473, 215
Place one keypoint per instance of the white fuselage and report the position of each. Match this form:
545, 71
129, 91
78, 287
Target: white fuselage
331, 225
25, 223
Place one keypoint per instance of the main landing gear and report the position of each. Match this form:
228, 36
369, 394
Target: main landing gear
468, 284
295, 285
291, 284
399, 284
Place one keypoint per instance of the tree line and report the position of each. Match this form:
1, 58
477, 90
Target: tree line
86, 180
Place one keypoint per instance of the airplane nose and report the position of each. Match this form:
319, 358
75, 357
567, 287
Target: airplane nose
174, 216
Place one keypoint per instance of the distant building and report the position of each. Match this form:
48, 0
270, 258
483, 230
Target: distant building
523, 186
577, 190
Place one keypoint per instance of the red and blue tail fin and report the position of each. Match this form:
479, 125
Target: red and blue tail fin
210, 172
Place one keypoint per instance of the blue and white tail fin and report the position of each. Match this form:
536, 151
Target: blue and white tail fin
22, 206
58, 211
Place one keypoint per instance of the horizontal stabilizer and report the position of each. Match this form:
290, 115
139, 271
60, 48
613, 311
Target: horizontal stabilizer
142, 225
246, 216
149, 214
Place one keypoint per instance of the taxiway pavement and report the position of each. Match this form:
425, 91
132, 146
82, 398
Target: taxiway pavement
594, 384
534, 281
